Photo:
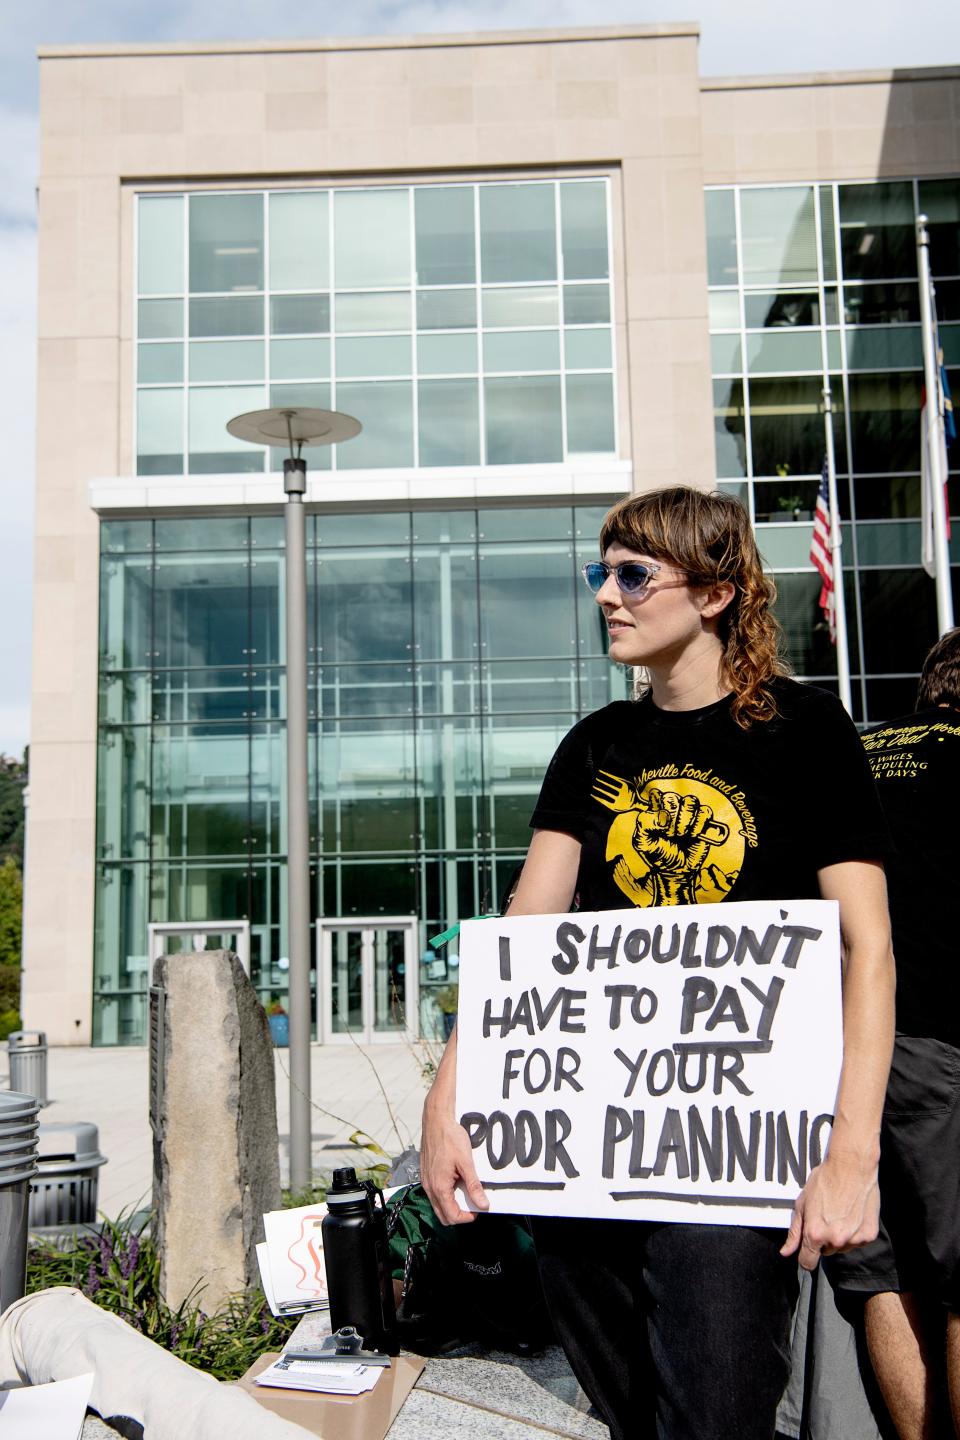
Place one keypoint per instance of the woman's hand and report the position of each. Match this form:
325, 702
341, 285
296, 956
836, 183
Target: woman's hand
446, 1158
838, 1209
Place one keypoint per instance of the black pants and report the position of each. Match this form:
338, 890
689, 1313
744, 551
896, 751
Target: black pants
679, 1332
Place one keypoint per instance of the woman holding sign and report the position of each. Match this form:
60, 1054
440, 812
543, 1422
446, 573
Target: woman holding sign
726, 779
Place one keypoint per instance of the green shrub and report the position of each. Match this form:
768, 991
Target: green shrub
9, 1021
119, 1270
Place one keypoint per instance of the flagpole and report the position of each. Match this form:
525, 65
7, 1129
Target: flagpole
935, 449
836, 542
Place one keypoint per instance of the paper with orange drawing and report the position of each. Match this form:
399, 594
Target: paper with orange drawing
294, 1256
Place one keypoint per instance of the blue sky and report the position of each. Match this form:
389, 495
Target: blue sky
737, 37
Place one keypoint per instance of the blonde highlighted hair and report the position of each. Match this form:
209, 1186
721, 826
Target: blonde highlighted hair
708, 537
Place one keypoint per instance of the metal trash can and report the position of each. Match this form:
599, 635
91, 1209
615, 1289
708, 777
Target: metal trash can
18, 1165
27, 1051
64, 1190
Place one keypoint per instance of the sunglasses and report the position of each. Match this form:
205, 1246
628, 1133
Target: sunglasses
631, 577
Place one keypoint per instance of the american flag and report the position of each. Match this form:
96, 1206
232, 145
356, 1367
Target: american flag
821, 556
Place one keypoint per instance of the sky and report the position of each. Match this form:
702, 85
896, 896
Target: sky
738, 37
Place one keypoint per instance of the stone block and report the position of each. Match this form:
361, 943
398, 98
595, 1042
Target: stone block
216, 1166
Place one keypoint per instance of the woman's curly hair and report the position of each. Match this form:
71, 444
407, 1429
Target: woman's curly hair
708, 537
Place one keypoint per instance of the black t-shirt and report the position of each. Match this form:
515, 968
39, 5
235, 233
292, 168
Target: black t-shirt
916, 764
683, 807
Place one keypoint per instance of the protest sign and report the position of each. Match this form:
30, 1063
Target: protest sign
669, 1064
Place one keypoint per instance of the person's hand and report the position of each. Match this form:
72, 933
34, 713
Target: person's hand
446, 1161
670, 837
838, 1209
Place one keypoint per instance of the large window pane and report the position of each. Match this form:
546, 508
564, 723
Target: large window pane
201, 611
447, 354
300, 315
351, 628
385, 410
378, 355
877, 237
521, 350
446, 309
229, 316
160, 432
940, 202
291, 359
505, 578
779, 236
390, 311
372, 238
880, 304
523, 420
226, 360
781, 350
520, 305
887, 347
226, 242
786, 426
449, 422
446, 246
729, 429
212, 449
160, 244
588, 349
899, 607
160, 319
721, 237
885, 422
159, 364
779, 308
518, 238
583, 230
590, 428
586, 304
299, 241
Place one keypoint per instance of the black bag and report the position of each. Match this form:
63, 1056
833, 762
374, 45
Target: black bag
464, 1282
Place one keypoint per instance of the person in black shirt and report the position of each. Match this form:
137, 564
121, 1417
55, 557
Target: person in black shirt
911, 1273
725, 780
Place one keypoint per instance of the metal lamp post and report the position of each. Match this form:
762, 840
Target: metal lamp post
292, 428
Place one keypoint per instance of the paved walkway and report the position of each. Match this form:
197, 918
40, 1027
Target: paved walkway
378, 1090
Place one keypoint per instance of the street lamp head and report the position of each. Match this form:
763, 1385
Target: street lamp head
293, 426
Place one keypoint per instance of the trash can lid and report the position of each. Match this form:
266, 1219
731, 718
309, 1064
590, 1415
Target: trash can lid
78, 1139
16, 1106
27, 1039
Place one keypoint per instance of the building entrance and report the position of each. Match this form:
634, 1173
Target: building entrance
368, 981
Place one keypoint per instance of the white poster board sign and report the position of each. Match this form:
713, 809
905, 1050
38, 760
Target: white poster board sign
664, 1064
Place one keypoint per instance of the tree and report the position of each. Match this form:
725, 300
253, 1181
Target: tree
11, 907
13, 780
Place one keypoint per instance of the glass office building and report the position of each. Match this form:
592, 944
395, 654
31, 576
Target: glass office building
524, 262
451, 649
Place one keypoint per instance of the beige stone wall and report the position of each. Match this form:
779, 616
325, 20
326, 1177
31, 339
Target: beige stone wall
832, 127
620, 102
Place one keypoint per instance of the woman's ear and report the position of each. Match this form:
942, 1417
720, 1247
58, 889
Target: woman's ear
716, 598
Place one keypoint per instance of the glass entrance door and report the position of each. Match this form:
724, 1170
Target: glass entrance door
368, 981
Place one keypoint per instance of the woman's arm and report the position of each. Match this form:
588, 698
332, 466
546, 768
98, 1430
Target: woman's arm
546, 887
839, 1206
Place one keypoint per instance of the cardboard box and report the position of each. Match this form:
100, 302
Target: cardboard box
339, 1417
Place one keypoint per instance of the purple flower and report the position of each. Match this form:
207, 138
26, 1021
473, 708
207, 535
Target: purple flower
93, 1280
106, 1253
129, 1261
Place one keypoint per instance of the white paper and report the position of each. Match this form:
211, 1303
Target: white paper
294, 1248
658, 1064
329, 1377
45, 1412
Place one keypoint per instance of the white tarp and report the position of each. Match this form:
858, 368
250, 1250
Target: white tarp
664, 1064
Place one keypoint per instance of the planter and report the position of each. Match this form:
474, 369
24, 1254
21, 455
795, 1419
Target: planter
279, 1029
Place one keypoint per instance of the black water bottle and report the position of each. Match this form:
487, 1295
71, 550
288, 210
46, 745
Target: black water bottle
357, 1261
